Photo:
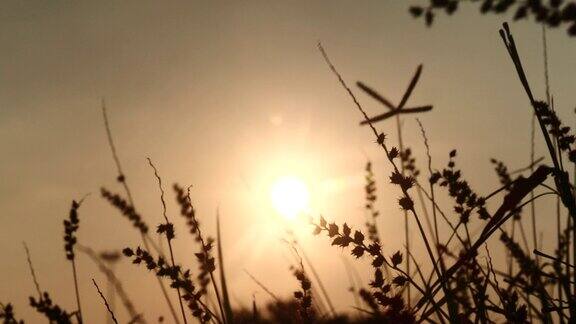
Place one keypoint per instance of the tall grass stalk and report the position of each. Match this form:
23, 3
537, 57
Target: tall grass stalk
121, 177
406, 220
169, 233
32, 271
224, 302
115, 283
105, 302
76, 290
380, 140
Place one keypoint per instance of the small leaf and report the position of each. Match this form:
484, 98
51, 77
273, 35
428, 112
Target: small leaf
521, 13
486, 6
451, 7
338, 241
406, 203
416, 11
396, 258
393, 153
358, 251
435, 177
346, 230
358, 237
399, 281
332, 230
429, 18
317, 230
378, 279
378, 261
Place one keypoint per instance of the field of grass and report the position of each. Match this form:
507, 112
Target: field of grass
456, 282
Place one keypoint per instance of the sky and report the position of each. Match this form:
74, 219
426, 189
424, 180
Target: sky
230, 96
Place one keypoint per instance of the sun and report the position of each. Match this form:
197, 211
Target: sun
290, 197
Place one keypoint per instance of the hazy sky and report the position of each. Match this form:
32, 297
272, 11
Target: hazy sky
229, 96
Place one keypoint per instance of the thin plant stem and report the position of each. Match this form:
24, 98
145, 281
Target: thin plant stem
32, 272
437, 286
266, 289
218, 298
116, 284
110, 293
429, 165
76, 290
426, 284
533, 204
168, 234
406, 221
451, 308
145, 240
121, 177
429, 224
547, 256
105, 302
556, 146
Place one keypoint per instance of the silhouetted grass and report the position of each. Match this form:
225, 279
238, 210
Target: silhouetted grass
457, 282
105, 302
551, 13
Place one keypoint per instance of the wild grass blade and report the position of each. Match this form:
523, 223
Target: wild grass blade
227, 315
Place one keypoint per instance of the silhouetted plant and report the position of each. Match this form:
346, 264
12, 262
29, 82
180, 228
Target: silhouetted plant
112, 315
71, 226
283, 312
112, 257
466, 284
409, 162
205, 260
126, 209
514, 312
304, 295
459, 189
32, 271
167, 229
7, 314
550, 125
180, 279
393, 304
370, 197
559, 132
552, 13
51, 311
395, 111
530, 273
462, 285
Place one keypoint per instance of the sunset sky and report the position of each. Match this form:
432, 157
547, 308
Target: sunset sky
229, 97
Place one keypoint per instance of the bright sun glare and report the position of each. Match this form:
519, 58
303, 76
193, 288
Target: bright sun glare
290, 196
